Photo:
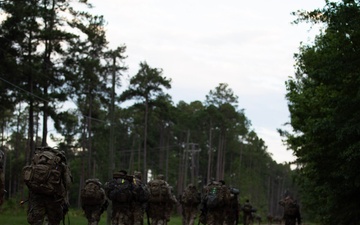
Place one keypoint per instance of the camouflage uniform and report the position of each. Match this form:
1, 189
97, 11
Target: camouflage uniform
121, 214
41, 206
216, 216
121, 211
190, 208
291, 219
232, 209
247, 212
160, 212
170, 205
93, 212
138, 206
53, 207
2, 177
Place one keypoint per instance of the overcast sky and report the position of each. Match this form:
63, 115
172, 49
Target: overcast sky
200, 43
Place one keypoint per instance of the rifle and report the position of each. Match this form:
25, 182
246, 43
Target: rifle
147, 214
203, 215
104, 206
236, 215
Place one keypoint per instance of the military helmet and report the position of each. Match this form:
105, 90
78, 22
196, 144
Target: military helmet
138, 175
160, 177
94, 180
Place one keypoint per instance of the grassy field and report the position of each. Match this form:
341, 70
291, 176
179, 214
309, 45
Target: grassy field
12, 213
18, 217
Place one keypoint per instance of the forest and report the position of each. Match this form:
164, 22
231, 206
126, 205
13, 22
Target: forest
58, 72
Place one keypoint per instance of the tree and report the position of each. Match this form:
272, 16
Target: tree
224, 99
87, 80
114, 71
35, 35
323, 99
222, 94
146, 85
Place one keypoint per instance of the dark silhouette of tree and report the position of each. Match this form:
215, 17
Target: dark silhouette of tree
145, 86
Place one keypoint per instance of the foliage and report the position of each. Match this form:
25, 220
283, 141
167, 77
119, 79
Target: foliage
323, 99
65, 71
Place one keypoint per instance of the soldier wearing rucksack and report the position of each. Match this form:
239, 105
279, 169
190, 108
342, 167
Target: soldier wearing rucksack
190, 200
120, 191
232, 208
141, 197
48, 179
216, 196
161, 201
93, 200
291, 211
2, 177
248, 211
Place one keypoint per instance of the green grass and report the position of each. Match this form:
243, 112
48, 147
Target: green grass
74, 216
11, 213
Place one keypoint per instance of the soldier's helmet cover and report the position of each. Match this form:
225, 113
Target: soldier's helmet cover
160, 177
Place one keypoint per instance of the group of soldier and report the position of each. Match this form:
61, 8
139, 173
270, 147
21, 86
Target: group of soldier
131, 207
215, 204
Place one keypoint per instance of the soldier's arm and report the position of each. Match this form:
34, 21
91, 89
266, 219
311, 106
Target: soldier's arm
67, 177
281, 202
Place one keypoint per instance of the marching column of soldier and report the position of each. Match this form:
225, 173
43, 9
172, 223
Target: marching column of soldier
48, 179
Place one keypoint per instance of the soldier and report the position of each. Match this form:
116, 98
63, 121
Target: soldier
93, 201
2, 177
232, 208
119, 191
291, 211
170, 204
141, 196
47, 196
248, 211
190, 200
216, 197
161, 201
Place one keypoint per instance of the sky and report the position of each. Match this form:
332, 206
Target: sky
199, 44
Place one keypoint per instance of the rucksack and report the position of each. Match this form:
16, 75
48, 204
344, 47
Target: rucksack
159, 191
247, 208
92, 193
44, 175
141, 192
290, 207
120, 189
190, 197
216, 195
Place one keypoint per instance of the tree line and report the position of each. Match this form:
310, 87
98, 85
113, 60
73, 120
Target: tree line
56, 69
323, 99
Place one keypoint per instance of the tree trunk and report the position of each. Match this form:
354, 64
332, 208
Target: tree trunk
209, 155
145, 138
187, 149
112, 121
30, 151
49, 26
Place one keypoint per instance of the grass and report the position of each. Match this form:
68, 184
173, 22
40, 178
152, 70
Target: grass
74, 216
12, 213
